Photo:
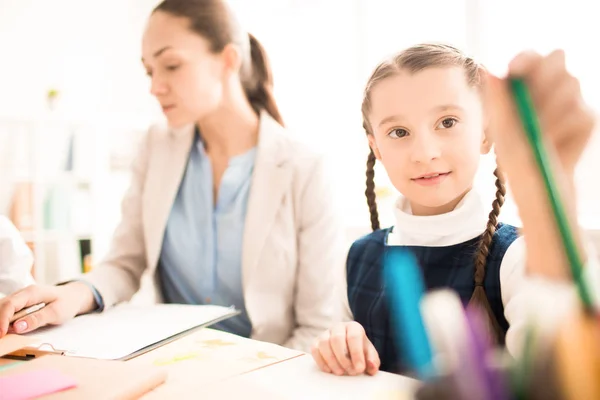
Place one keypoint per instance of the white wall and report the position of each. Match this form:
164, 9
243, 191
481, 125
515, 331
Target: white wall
90, 52
322, 52
87, 49
510, 26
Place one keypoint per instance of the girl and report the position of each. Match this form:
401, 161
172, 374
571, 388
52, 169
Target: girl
423, 112
225, 207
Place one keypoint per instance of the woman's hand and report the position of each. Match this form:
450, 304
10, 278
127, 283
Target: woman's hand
62, 304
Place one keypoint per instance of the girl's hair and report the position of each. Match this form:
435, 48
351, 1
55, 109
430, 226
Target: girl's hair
413, 60
370, 191
215, 22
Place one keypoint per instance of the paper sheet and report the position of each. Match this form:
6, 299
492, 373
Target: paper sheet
299, 378
125, 329
209, 356
33, 384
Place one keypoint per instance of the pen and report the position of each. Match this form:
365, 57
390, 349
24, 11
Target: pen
26, 311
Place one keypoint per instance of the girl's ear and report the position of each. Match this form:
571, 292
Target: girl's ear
486, 140
374, 147
486, 144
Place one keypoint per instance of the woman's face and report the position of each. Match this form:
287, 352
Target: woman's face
187, 77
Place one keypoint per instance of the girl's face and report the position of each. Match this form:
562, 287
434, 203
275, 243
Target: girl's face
187, 77
428, 132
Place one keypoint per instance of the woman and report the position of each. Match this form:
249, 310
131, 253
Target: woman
224, 206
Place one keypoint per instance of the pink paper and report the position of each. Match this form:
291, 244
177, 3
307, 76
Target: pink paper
29, 385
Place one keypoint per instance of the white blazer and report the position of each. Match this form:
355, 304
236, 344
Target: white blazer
293, 256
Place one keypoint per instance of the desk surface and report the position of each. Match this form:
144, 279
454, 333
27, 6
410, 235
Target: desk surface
220, 365
208, 356
299, 378
213, 364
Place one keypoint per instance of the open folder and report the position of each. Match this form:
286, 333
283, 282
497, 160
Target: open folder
125, 331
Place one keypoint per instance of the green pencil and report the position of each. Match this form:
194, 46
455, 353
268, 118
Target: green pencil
533, 132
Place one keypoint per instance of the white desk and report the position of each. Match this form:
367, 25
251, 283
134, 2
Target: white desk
209, 364
230, 370
299, 378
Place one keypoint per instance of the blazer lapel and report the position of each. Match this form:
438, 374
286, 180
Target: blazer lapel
169, 161
271, 179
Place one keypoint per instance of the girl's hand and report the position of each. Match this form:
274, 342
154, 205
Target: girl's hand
346, 350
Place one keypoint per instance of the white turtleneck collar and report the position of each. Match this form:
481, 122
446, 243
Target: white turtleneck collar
467, 221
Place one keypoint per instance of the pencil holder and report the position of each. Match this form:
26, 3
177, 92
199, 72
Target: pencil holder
565, 367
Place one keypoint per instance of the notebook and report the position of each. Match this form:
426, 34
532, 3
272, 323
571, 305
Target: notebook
25, 385
125, 331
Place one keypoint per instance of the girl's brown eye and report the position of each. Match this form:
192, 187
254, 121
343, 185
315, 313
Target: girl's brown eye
448, 123
398, 133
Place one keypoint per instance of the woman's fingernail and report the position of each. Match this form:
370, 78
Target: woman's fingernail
20, 326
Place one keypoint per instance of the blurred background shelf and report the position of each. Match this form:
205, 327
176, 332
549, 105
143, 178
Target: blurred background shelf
55, 173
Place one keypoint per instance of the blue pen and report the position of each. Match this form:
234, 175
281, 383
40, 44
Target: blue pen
404, 289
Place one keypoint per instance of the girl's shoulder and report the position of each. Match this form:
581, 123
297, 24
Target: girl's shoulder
506, 233
505, 236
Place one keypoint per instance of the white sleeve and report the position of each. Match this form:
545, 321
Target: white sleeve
15, 259
537, 299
